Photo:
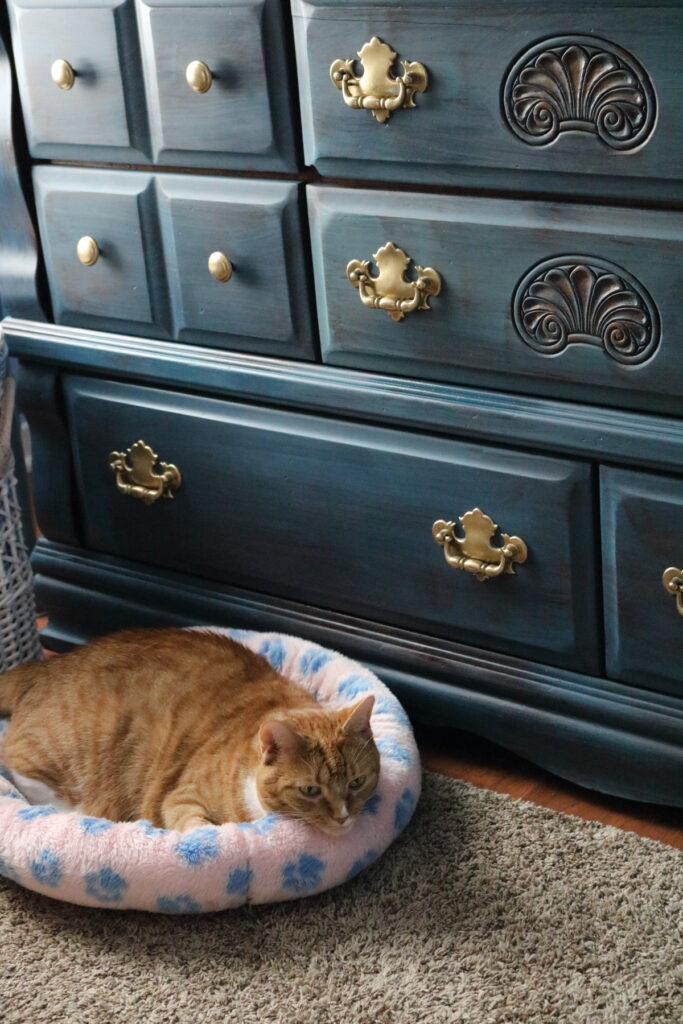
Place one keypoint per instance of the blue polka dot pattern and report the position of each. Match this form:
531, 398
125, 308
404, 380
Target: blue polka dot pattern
240, 634
391, 749
313, 659
12, 794
404, 809
199, 846
105, 885
149, 829
371, 804
303, 874
39, 811
238, 882
47, 868
93, 826
363, 862
392, 709
273, 650
182, 904
261, 826
352, 685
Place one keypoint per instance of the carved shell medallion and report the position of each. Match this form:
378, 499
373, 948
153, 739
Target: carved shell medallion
579, 83
584, 300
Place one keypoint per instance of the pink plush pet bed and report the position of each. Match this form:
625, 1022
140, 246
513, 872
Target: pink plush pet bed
100, 863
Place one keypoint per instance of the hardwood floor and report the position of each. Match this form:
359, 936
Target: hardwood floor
463, 756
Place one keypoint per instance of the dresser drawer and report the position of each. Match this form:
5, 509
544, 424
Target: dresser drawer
101, 249
217, 76
554, 299
509, 93
339, 515
642, 537
213, 261
259, 298
74, 64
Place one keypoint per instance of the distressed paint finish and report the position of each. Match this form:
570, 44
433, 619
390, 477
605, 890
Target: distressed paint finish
340, 515
458, 134
642, 530
130, 102
155, 233
483, 249
246, 119
630, 740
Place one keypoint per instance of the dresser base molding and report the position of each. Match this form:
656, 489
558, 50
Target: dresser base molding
613, 738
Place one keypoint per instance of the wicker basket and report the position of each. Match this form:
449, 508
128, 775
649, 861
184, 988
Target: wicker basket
18, 634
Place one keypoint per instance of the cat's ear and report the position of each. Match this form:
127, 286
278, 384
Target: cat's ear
276, 737
357, 717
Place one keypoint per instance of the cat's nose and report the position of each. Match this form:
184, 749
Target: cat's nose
342, 821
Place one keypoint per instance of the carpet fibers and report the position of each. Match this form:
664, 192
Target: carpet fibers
487, 910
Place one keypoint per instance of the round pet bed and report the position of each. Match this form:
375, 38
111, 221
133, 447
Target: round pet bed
100, 863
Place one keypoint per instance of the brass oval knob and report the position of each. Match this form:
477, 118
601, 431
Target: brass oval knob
474, 551
390, 290
672, 579
378, 89
198, 75
220, 266
136, 476
87, 250
62, 74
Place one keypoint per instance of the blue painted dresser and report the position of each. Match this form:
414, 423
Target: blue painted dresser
361, 322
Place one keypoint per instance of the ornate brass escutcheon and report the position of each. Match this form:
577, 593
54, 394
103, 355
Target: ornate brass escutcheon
672, 580
391, 290
135, 474
377, 89
474, 552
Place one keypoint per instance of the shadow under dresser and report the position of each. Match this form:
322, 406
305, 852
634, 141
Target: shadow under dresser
362, 323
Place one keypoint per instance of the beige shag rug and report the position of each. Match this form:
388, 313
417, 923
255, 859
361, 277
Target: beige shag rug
487, 910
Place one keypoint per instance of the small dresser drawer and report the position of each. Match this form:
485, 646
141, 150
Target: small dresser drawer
101, 249
236, 265
213, 261
560, 98
217, 76
579, 302
340, 515
75, 63
642, 538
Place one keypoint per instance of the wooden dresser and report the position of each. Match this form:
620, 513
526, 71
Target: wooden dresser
364, 324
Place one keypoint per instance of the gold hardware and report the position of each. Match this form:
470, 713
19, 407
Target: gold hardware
87, 250
377, 90
198, 75
474, 552
673, 582
139, 478
220, 266
63, 74
390, 290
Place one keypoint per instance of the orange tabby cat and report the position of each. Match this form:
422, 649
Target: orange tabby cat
184, 729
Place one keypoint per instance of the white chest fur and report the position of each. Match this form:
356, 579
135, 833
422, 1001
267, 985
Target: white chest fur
253, 805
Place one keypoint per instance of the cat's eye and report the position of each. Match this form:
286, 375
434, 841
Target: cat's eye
310, 790
357, 783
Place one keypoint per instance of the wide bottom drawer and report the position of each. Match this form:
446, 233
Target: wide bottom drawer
340, 515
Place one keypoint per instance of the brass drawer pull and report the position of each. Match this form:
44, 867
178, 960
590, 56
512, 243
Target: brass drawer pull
62, 74
474, 552
87, 250
377, 90
198, 76
220, 266
673, 582
138, 478
390, 290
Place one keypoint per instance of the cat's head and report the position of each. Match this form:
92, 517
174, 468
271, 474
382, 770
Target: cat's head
320, 766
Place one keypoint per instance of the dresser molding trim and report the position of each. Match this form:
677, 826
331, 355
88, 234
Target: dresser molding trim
619, 739
567, 428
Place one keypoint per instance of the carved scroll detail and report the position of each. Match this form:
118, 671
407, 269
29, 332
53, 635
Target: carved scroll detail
583, 300
579, 83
